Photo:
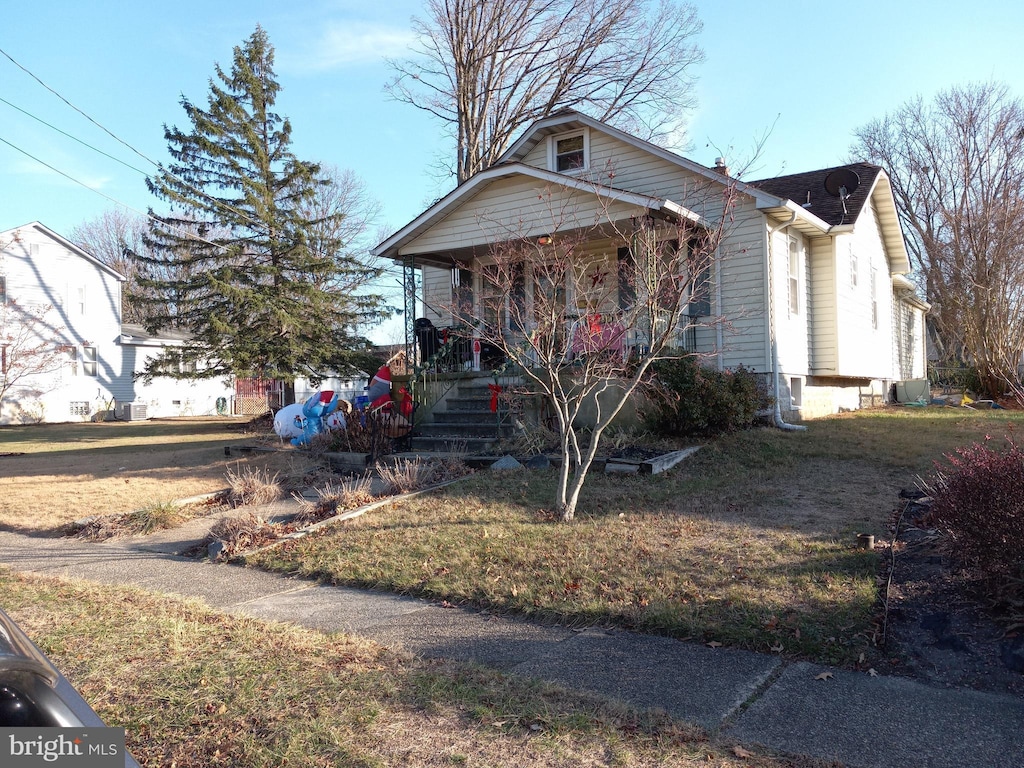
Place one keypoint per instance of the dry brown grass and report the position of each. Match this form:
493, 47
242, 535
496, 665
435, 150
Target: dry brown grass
66, 472
198, 689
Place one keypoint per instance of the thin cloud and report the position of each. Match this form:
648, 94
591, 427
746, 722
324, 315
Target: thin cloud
344, 44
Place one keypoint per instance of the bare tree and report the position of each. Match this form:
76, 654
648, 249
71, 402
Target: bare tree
957, 168
488, 68
584, 327
28, 351
115, 237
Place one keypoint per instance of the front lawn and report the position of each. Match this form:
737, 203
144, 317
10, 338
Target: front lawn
751, 543
53, 474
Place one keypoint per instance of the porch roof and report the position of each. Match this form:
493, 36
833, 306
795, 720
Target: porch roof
392, 248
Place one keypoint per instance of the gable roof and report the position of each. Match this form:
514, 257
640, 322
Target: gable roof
778, 198
66, 244
390, 247
569, 119
808, 191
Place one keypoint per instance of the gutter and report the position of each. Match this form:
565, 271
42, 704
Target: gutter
777, 411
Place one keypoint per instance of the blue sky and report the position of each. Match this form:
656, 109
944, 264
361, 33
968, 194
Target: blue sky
808, 72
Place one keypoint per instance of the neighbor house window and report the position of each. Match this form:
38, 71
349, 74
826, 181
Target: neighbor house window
3, 359
874, 298
89, 361
80, 299
3, 290
72, 357
569, 152
853, 267
794, 276
79, 408
796, 392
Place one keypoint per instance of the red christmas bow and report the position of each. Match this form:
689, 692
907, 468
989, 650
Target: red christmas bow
495, 391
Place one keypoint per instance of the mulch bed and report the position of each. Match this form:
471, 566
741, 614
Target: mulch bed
937, 630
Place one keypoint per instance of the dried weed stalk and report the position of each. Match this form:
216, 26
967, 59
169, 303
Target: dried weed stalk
239, 534
334, 498
252, 485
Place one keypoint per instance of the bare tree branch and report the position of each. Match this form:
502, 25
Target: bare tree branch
489, 69
957, 167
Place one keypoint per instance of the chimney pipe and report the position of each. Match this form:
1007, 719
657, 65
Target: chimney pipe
721, 167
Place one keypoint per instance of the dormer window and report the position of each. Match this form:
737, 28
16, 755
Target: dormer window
569, 152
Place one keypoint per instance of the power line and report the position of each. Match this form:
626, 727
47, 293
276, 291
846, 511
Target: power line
117, 138
73, 138
148, 215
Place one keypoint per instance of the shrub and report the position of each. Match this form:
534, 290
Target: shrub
685, 398
977, 498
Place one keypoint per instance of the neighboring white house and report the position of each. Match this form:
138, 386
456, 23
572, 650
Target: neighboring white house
809, 286
78, 300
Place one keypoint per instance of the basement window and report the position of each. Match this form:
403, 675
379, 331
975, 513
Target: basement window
796, 392
79, 408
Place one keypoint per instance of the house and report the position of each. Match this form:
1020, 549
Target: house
65, 355
808, 286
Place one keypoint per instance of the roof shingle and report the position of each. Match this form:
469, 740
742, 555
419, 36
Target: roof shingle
802, 188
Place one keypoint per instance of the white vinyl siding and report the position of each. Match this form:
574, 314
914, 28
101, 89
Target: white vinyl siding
864, 312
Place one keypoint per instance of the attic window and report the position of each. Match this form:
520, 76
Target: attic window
569, 152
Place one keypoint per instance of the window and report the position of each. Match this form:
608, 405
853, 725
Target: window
853, 266
80, 299
72, 357
3, 289
569, 152
89, 361
796, 392
3, 359
500, 307
794, 276
874, 298
79, 408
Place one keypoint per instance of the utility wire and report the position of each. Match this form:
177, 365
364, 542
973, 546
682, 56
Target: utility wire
114, 200
73, 138
117, 138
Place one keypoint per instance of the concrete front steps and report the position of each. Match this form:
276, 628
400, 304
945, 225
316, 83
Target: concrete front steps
465, 422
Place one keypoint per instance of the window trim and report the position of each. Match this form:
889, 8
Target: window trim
874, 298
553, 141
794, 249
90, 361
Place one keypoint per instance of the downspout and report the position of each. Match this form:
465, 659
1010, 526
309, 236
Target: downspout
777, 413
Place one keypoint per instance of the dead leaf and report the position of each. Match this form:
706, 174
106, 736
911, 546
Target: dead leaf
796, 634
861, 659
714, 644
872, 672
824, 676
741, 752
777, 648
222, 709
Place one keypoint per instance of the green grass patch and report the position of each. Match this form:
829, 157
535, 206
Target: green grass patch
195, 688
750, 544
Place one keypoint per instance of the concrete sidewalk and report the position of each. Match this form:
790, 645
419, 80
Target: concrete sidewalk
740, 696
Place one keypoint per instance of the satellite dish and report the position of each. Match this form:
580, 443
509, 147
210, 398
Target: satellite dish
842, 182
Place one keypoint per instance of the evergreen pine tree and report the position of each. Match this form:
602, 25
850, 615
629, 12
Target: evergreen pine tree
233, 258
